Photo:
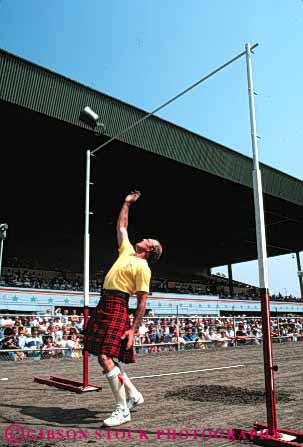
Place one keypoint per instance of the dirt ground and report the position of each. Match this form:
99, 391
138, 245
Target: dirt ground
187, 404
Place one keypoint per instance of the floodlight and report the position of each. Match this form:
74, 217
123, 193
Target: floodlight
89, 117
3, 230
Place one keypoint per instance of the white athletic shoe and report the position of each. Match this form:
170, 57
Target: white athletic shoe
118, 417
133, 402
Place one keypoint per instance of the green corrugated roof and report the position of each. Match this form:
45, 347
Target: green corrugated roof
36, 88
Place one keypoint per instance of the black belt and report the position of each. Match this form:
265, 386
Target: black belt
108, 292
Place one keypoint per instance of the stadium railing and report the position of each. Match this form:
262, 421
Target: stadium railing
72, 353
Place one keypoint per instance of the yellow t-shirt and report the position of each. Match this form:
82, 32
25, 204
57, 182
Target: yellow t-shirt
129, 273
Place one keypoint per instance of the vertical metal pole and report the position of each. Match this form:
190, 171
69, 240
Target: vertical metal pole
1, 254
178, 328
278, 321
299, 270
279, 328
230, 280
234, 329
86, 263
262, 260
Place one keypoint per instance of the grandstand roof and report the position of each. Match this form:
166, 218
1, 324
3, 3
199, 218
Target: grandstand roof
197, 195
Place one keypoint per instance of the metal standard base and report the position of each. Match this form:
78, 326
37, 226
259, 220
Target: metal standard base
68, 384
260, 436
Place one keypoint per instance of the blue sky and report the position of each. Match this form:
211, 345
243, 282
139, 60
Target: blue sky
146, 51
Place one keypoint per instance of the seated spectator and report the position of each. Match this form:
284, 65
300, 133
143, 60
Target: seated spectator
10, 342
144, 341
222, 336
241, 335
251, 340
210, 334
76, 347
47, 348
178, 339
70, 344
33, 344
167, 338
61, 343
201, 341
154, 339
143, 330
292, 333
258, 335
48, 315
74, 317
7, 321
230, 334
298, 325
65, 316
137, 339
80, 324
73, 330
21, 337
190, 337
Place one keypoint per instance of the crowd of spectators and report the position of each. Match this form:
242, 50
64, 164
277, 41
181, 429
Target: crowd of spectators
38, 337
42, 279
210, 333
61, 335
206, 285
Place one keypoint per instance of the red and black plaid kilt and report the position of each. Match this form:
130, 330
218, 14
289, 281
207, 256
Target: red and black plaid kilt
105, 328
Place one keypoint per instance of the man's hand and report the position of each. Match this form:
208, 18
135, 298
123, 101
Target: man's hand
132, 197
122, 222
130, 334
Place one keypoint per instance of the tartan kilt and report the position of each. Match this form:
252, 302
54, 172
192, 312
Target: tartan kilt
105, 328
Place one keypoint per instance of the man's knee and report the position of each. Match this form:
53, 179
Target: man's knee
105, 361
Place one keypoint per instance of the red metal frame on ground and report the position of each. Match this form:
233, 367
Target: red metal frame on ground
270, 434
70, 384
260, 436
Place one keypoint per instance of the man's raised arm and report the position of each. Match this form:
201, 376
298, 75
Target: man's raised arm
122, 222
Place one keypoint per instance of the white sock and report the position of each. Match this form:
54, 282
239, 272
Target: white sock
117, 386
131, 390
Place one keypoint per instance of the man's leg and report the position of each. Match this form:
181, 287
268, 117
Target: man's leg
133, 396
116, 382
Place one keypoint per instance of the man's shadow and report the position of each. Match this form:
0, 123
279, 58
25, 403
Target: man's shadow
64, 416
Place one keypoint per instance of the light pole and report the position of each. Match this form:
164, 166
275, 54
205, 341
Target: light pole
3, 234
89, 117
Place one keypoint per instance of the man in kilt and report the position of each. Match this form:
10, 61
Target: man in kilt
109, 334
